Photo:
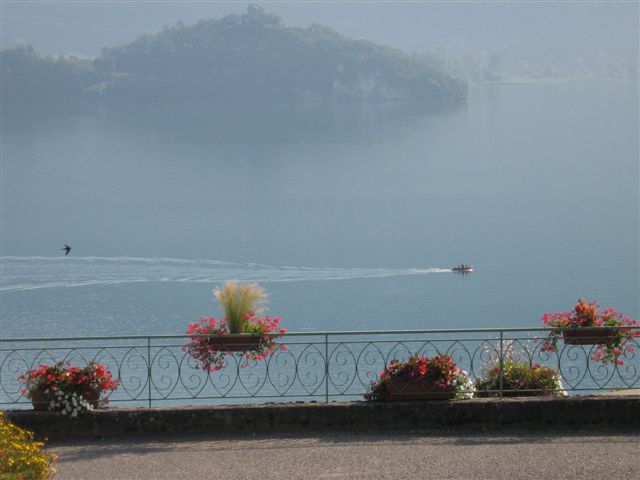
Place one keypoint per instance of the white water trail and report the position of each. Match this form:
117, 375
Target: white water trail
33, 273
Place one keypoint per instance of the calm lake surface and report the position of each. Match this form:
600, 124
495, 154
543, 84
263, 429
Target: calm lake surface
349, 215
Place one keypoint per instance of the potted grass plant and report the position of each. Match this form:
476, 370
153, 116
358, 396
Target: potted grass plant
242, 329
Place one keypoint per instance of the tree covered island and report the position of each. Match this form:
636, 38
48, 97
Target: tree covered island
249, 56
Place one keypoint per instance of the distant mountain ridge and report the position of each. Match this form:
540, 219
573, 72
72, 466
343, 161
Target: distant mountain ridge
249, 56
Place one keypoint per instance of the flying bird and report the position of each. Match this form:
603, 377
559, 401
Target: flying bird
66, 249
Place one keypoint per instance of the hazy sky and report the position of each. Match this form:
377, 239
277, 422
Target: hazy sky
544, 33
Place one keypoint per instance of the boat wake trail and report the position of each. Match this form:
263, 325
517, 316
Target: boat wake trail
33, 273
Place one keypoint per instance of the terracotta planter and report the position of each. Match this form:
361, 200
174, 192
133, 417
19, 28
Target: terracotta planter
239, 342
40, 400
587, 337
93, 398
412, 391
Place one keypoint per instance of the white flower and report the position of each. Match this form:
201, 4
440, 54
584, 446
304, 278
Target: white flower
561, 391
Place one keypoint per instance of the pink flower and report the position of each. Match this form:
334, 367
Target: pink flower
588, 314
211, 357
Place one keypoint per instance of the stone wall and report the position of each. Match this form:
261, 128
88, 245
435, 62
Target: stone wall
565, 414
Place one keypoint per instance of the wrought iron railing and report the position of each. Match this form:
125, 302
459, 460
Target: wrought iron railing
320, 366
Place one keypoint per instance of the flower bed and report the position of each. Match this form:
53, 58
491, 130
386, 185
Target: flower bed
21, 457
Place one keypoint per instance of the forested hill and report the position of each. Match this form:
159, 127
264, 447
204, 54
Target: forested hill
250, 56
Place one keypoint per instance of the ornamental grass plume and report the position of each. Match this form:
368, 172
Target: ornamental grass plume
21, 457
239, 301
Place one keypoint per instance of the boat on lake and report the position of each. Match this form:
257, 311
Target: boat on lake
463, 268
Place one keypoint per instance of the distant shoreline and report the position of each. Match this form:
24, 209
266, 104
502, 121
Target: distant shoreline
551, 80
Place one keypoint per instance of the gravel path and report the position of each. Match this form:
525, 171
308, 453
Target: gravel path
355, 456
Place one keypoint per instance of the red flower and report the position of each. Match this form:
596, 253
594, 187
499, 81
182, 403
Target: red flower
69, 378
211, 357
588, 314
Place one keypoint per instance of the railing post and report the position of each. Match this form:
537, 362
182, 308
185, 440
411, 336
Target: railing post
149, 369
501, 361
326, 368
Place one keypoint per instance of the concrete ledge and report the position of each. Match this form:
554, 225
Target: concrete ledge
620, 413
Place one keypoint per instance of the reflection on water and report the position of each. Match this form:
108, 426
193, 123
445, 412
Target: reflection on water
234, 123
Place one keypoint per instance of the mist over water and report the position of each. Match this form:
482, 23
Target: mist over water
344, 212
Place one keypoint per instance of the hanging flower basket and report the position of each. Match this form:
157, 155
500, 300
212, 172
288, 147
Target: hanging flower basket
241, 330
596, 336
240, 342
577, 328
211, 341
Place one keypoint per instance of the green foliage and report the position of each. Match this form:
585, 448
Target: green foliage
27, 75
519, 379
237, 57
477, 66
482, 66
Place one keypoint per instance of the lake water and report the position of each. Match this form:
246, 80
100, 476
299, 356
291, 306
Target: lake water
349, 215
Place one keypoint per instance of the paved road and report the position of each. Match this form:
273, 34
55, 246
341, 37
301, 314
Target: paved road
354, 456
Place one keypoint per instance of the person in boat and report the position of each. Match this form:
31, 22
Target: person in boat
463, 267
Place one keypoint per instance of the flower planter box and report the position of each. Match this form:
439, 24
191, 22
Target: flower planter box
93, 398
411, 391
420, 378
240, 342
587, 337
40, 400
